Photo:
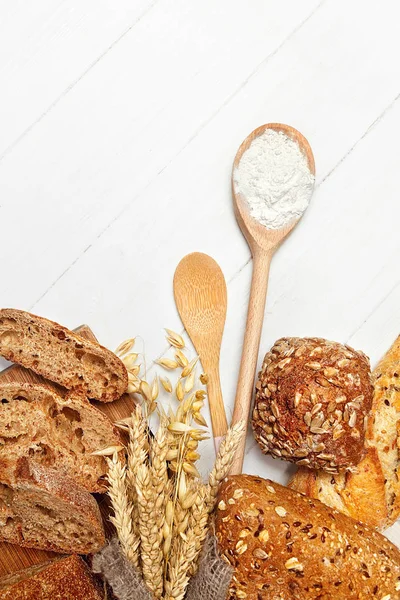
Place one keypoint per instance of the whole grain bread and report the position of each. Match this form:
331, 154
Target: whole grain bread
312, 397
41, 508
285, 545
61, 355
372, 491
67, 578
38, 424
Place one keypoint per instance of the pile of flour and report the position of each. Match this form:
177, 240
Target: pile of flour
274, 177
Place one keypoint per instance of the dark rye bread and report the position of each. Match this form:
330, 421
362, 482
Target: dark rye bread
285, 545
66, 578
61, 355
39, 508
312, 400
38, 424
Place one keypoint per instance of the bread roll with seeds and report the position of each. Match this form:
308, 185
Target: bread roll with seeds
372, 491
312, 399
285, 545
61, 355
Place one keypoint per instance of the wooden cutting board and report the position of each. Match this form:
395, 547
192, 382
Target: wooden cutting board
13, 557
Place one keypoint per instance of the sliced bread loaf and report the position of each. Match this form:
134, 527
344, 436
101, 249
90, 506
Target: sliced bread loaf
61, 355
39, 508
53, 431
66, 578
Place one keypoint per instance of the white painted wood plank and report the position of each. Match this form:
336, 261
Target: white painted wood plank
46, 47
194, 189
149, 134
110, 136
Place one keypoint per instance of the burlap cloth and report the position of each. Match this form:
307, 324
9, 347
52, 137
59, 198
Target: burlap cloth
210, 583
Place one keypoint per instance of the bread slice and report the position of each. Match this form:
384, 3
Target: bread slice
66, 578
372, 492
42, 509
61, 355
53, 431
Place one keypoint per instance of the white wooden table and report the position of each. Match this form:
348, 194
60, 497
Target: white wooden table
119, 122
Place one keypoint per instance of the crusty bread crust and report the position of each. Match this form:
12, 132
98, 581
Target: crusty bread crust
372, 491
66, 578
39, 508
359, 494
37, 423
285, 545
61, 355
312, 396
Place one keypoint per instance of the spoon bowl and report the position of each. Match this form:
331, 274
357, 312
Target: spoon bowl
201, 300
263, 242
256, 234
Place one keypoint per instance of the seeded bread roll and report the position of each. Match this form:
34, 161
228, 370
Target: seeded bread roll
287, 546
61, 355
372, 491
39, 508
312, 399
38, 424
66, 578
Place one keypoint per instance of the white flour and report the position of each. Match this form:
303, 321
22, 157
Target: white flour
274, 177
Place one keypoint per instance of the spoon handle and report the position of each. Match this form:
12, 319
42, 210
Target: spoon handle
216, 404
251, 344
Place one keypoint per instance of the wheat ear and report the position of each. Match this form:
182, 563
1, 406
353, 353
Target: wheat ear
151, 552
199, 522
137, 455
122, 508
179, 567
223, 461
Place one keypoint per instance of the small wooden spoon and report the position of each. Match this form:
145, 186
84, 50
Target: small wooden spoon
201, 299
263, 242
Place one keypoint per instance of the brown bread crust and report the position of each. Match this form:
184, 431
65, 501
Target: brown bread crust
312, 396
37, 423
375, 499
39, 508
67, 578
61, 355
359, 494
285, 545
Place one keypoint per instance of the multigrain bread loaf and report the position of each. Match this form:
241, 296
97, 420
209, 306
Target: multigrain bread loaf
372, 492
61, 355
312, 397
66, 578
38, 424
285, 545
41, 509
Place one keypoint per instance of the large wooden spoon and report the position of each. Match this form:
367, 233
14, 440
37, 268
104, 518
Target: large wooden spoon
201, 299
263, 242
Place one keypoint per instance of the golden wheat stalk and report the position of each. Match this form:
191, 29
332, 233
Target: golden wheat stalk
123, 509
199, 522
179, 567
151, 536
223, 461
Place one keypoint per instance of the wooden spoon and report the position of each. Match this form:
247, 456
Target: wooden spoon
263, 242
201, 299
